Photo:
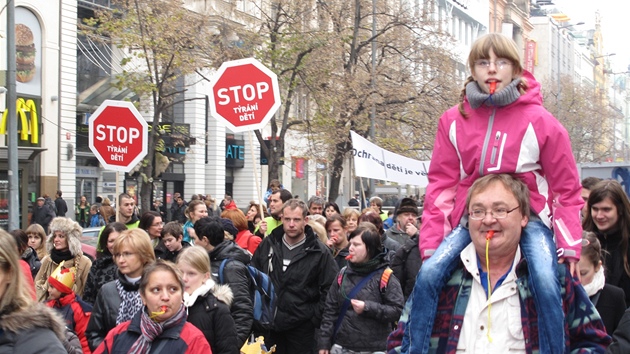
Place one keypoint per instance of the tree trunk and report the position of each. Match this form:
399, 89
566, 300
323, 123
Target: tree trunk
341, 149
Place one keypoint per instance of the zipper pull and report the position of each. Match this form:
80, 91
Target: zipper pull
497, 137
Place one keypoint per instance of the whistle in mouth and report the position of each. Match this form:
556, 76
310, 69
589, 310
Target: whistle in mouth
489, 234
348, 257
493, 87
158, 313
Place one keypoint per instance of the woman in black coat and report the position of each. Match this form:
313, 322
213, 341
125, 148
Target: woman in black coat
103, 269
208, 303
609, 300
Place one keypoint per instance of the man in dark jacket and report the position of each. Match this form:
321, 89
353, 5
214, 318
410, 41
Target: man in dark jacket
60, 204
177, 210
406, 264
42, 214
209, 235
302, 270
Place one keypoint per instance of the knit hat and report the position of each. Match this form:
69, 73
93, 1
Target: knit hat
62, 278
41, 198
228, 226
407, 205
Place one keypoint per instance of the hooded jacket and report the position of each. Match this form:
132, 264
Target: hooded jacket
302, 288
72, 230
76, 313
209, 310
522, 139
236, 275
36, 329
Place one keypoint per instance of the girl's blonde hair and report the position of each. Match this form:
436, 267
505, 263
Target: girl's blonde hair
196, 257
16, 295
503, 47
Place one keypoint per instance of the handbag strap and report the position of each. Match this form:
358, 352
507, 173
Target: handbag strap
346, 302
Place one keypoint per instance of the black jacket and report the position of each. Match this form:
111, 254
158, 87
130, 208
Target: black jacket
36, 329
103, 271
610, 303
236, 275
43, 216
211, 314
613, 261
301, 289
62, 207
621, 337
177, 213
105, 311
368, 331
406, 264
30, 256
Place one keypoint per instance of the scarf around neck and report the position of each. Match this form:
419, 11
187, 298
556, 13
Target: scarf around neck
366, 267
59, 256
476, 97
190, 300
130, 303
151, 329
597, 284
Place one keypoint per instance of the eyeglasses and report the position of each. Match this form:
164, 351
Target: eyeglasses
124, 255
497, 213
499, 63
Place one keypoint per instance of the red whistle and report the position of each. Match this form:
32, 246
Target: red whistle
489, 234
493, 87
348, 257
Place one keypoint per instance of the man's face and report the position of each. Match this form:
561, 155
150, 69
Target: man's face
40, 202
316, 209
585, 193
180, 201
126, 207
275, 204
604, 214
507, 231
173, 243
293, 222
375, 207
406, 218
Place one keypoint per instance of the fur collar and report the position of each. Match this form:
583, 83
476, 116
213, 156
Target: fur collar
223, 293
36, 315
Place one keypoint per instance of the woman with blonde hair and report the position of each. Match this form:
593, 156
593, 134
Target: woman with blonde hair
37, 239
63, 244
26, 326
207, 302
119, 300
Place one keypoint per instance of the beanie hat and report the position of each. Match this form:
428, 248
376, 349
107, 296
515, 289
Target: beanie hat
228, 226
62, 278
407, 205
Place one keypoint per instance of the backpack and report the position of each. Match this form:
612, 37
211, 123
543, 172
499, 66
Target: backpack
387, 273
262, 293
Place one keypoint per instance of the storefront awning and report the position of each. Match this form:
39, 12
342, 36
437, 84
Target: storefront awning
24, 153
91, 98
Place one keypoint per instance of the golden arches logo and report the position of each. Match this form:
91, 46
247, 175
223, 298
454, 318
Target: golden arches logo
23, 107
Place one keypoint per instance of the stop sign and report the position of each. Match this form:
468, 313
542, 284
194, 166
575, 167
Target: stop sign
118, 135
245, 94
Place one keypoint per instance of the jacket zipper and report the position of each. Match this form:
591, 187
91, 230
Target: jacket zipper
486, 141
495, 146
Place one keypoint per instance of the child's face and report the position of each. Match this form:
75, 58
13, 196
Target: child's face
53, 293
500, 70
92, 211
172, 243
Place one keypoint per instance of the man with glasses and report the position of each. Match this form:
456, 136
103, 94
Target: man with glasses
487, 305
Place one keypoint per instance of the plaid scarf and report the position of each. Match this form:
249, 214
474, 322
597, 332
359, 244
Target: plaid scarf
151, 329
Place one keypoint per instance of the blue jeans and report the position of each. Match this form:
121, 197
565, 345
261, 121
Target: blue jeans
538, 248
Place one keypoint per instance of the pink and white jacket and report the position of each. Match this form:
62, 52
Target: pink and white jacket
522, 139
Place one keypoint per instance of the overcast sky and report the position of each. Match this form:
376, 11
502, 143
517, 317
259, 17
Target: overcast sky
614, 20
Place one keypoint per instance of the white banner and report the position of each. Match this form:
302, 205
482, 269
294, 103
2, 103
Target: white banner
372, 161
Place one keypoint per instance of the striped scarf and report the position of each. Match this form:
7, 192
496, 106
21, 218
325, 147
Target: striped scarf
151, 329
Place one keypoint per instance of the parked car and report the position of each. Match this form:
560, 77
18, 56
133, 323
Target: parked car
89, 239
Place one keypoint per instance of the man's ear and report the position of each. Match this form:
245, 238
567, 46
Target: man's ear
524, 220
306, 218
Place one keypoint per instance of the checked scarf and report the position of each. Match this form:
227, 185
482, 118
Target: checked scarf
151, 329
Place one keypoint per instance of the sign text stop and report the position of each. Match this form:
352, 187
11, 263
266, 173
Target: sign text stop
245, 94
118, 135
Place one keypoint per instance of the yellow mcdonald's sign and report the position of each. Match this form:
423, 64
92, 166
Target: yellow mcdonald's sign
23, 107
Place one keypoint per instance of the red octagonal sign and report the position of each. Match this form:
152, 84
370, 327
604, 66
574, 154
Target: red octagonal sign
245, 94
118, 135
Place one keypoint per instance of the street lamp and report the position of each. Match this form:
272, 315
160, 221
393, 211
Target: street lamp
596, 62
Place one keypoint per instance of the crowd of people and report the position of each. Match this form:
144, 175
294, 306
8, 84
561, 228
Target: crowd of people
510, 253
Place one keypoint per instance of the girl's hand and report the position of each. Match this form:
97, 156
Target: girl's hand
574, 267
358, 306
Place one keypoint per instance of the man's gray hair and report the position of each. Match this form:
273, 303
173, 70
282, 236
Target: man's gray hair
316, 200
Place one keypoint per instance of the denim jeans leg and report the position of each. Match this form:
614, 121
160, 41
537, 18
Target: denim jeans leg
540, 251
433, 275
